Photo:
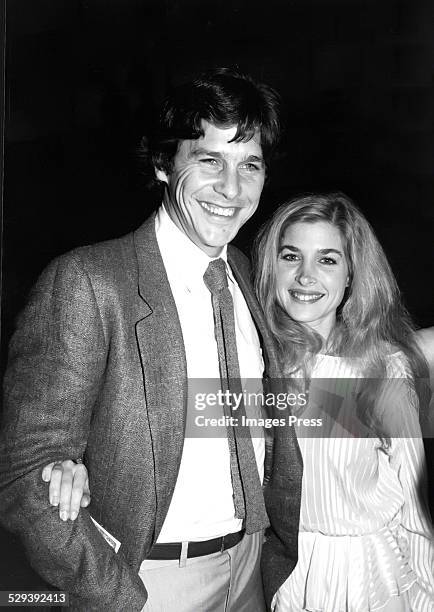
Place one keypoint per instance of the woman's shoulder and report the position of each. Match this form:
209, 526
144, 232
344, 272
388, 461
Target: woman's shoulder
397, 363
425, 340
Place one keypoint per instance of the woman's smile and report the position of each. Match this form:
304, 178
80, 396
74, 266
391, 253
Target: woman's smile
305, 297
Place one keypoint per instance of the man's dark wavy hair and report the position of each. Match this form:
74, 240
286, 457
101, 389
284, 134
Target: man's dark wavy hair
223, 97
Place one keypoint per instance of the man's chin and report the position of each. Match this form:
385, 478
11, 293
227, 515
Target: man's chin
218, 242
213, 250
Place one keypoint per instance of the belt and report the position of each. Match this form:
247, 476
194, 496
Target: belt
172, 550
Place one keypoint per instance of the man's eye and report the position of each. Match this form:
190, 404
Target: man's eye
251, 167
329, 261
210, 161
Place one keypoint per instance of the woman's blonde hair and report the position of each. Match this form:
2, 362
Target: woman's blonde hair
371, 321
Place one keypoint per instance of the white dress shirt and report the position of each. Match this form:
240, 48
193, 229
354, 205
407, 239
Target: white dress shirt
202, 505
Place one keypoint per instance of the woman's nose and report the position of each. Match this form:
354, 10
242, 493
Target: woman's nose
305, 276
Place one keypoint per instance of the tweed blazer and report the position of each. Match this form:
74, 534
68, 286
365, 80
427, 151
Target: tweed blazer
97, 370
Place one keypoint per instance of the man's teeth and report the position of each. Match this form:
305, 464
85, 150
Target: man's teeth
306, 297
217, 210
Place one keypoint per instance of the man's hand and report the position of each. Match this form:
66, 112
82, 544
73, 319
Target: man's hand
69, 487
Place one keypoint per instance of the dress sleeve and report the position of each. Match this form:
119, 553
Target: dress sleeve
407, 457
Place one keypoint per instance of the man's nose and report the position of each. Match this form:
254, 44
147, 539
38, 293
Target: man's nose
228, 184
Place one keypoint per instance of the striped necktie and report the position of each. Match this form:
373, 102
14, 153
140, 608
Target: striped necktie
247, 490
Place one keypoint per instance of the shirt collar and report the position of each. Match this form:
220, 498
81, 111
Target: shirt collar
179, 252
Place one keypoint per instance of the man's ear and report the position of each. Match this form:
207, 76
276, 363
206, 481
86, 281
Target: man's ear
161, 175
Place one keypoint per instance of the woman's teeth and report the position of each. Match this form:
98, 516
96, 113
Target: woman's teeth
306, 297
218, 210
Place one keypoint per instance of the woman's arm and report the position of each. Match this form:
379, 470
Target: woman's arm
407, 458
69, 487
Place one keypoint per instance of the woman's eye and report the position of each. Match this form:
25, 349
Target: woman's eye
329, 261
290, 257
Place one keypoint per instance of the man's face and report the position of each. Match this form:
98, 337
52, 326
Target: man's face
214, 187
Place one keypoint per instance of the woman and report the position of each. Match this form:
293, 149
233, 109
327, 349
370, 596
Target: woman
366, 540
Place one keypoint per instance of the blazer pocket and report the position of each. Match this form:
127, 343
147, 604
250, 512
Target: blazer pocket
111, 540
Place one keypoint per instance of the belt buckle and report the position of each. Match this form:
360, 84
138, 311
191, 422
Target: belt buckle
222, 549
184, 554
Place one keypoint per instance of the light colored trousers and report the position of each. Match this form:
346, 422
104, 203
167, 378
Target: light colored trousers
228, 581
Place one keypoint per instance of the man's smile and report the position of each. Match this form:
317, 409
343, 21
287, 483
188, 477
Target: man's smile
220, 211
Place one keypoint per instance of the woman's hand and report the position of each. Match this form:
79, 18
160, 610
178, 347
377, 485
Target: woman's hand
69, 487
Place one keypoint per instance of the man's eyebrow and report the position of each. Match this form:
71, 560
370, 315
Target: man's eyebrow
217, 154
201, 151
255, 158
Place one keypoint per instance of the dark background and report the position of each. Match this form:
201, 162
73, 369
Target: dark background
83, 78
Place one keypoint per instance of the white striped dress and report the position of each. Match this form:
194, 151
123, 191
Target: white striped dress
366, 540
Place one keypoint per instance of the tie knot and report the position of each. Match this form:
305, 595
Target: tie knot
215, 277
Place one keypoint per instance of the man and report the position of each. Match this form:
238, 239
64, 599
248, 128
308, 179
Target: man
98, 370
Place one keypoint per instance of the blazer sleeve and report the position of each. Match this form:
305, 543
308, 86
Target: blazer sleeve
56, 366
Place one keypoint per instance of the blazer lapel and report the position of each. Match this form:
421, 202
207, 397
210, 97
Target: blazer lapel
162, 353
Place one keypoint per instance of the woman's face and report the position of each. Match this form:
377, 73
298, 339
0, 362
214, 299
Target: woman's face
312, 274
